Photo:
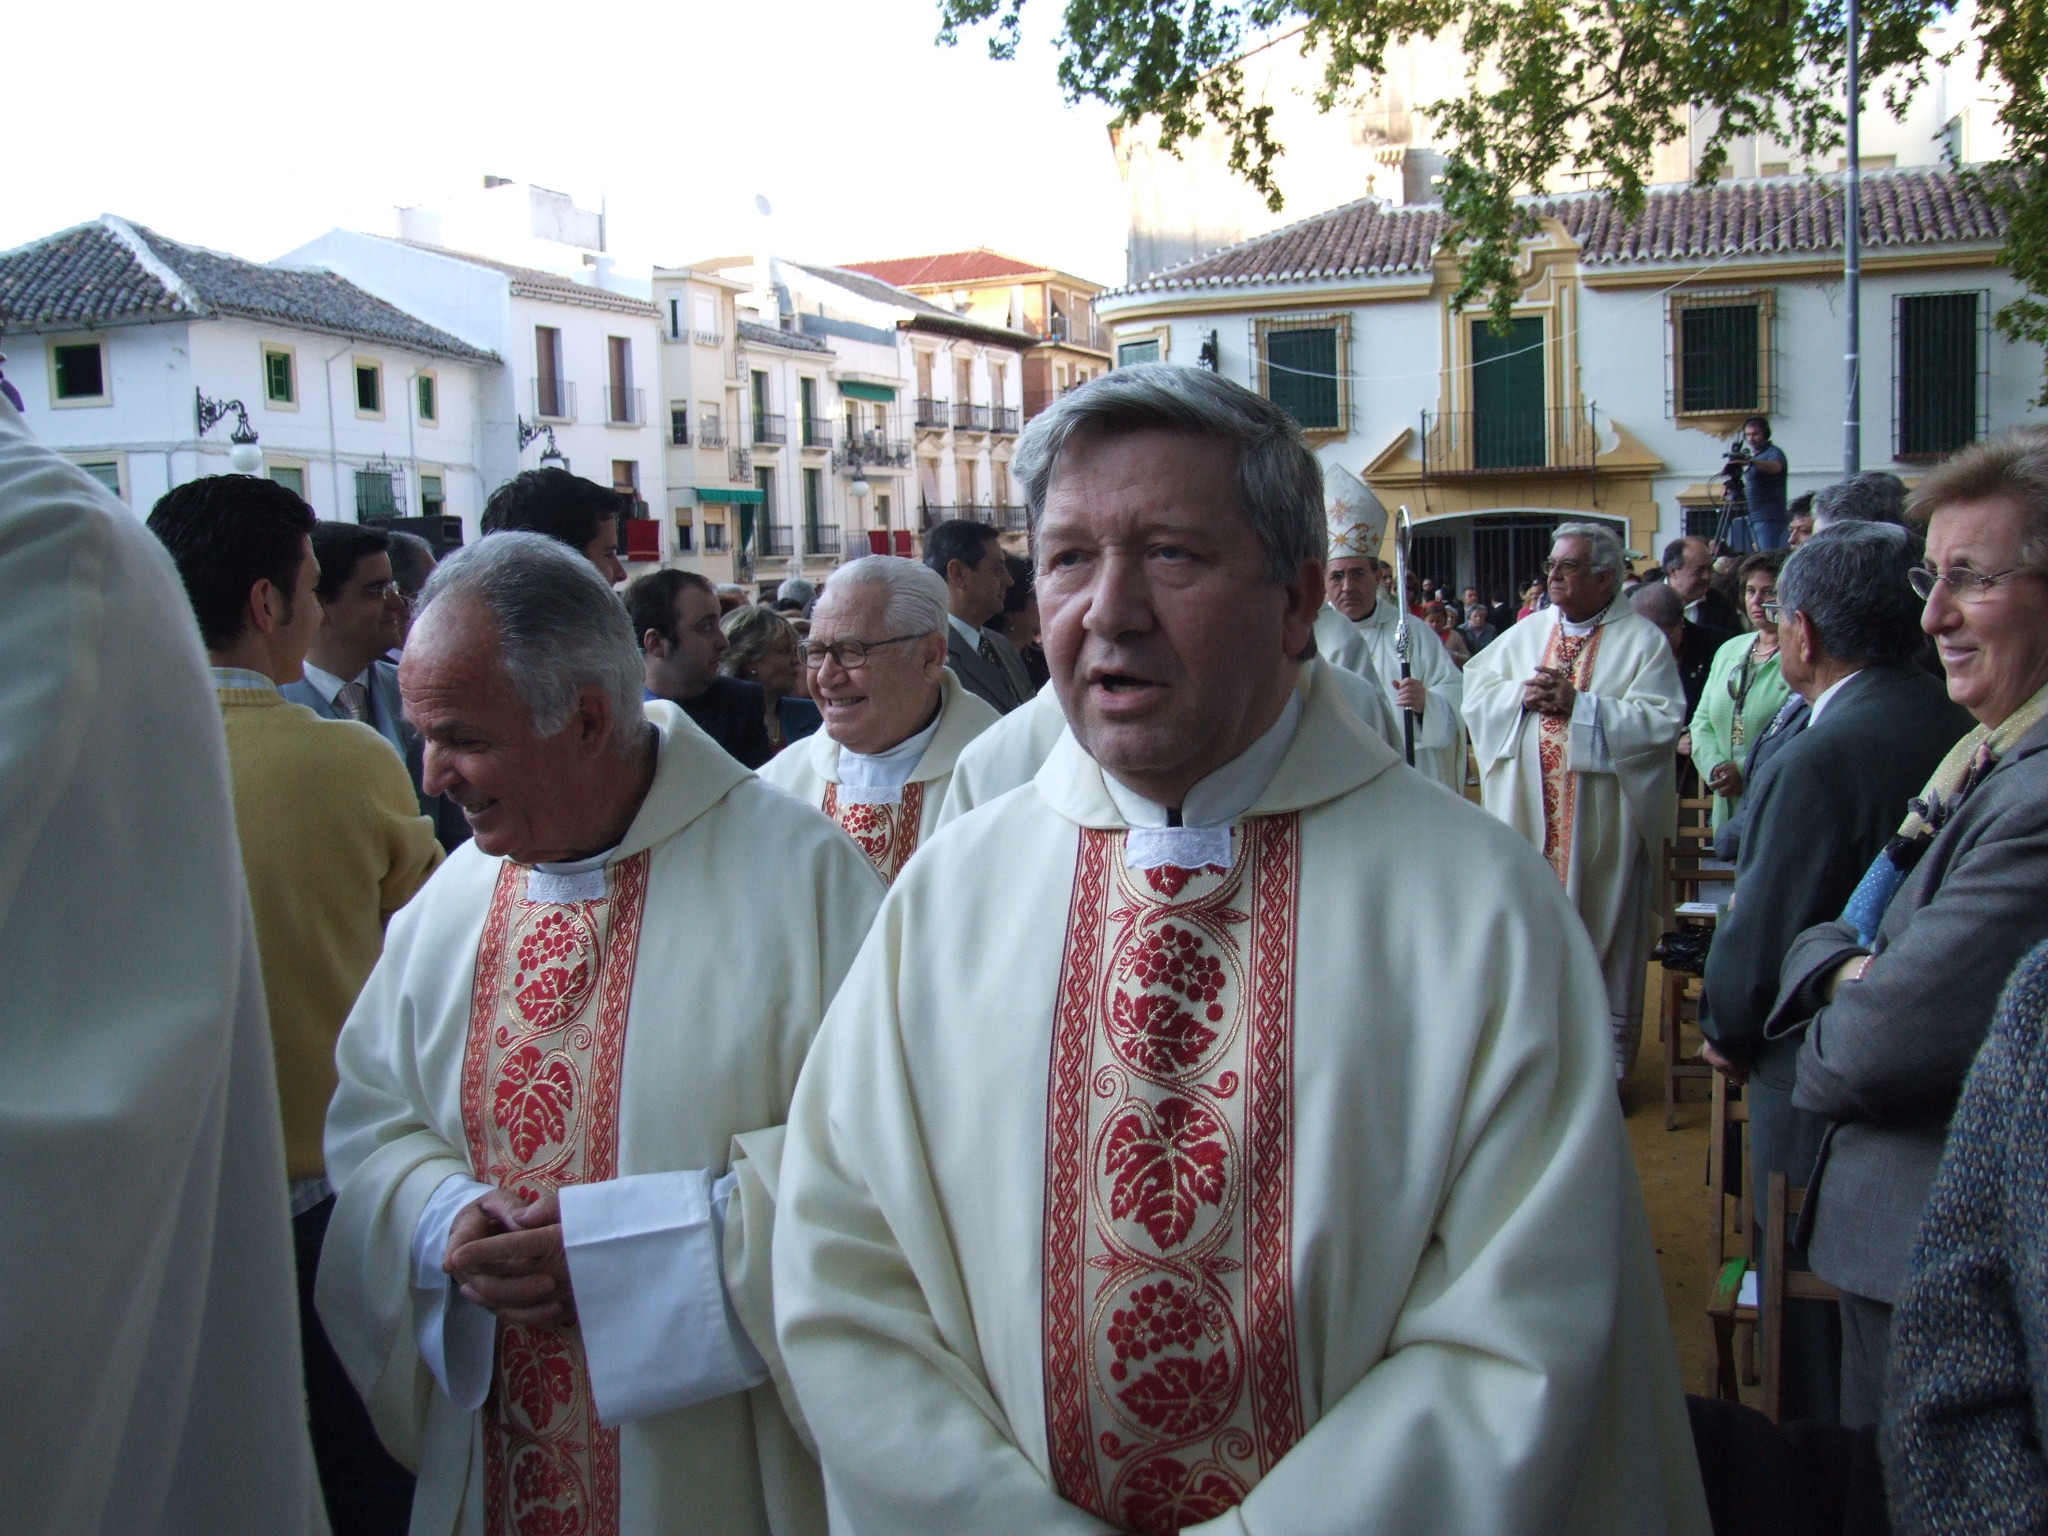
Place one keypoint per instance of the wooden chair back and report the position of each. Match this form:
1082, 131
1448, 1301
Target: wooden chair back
1781, 1286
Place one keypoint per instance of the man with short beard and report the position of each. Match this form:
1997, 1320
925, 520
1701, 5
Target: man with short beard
676, 617
1174, 1153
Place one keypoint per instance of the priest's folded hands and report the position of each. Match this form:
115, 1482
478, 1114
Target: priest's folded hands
507, 1255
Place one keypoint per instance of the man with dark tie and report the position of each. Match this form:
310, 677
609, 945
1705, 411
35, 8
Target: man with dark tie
969, 557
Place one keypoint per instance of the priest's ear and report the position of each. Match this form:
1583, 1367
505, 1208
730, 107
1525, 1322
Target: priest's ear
1304, 592
593, 721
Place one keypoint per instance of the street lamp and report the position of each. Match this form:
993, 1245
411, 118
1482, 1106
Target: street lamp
244, 458
551, 454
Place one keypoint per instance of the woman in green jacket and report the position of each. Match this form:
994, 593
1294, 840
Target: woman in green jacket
1743, 690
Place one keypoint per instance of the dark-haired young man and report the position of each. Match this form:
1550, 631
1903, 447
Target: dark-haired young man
675, 618
969, 556
1763, 485
567, 508
332, 845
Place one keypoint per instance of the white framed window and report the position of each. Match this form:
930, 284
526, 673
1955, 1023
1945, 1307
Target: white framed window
78, 372
369, 377
427, 397
433, 493
289, 473
280, 376
110, 469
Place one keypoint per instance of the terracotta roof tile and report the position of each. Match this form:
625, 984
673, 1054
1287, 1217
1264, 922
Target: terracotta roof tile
952, 267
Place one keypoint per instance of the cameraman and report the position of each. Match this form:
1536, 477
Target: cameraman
1763, 485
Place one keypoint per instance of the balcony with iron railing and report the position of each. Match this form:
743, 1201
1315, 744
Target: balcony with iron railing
1003, 419
817, 432
1011, 518
554, 400
624, 407
710, 432
708, 338
933, 413
1005, 517
771, 431
1549, 441
871, 450
773, 541
970, 418
740, 464
821, 539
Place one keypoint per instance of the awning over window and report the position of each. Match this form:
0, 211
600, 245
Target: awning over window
854, 390
728, 493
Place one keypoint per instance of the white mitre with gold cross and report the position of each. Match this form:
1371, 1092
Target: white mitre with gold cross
1357, 520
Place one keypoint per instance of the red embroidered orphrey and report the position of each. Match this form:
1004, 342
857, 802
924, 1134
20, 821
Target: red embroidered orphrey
1171, 1384
540, 1106
887, 834
1573, 655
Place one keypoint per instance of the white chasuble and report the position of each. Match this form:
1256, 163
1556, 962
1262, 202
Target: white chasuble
628, 1028
1595, 793
889, 821
1440, 733
1283, 1192
540, 1104
1341, 643
1170, 1379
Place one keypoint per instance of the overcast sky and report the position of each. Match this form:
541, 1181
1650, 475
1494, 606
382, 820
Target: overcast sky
253, 127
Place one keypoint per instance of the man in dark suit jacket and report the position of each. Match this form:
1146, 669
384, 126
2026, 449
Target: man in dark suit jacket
969, 555
675, 614
1689, 571
362, 616
1692, 644
1820, 810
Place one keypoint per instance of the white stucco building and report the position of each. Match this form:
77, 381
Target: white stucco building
123, 341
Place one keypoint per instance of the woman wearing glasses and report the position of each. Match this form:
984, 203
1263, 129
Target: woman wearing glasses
1895, 997
1743, 691
896, 718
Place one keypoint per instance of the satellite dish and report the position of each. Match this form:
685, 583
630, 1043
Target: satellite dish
761, 206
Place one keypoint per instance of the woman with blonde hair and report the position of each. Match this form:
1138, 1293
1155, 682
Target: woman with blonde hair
762, 647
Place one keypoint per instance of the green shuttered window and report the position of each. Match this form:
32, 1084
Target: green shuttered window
1301, 375
1938, 365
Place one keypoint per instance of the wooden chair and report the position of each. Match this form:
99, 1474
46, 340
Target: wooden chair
1728, 1176
1781, 1286
1688, 863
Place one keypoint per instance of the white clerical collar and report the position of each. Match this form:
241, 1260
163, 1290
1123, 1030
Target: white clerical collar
878, 778
241, 677
1203, 837
1821, 703
571, 880
1586, 628
964, 630
327, 685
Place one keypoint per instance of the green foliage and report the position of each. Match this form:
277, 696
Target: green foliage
1556, 89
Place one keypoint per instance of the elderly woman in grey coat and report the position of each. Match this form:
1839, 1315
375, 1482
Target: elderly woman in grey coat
1895, 997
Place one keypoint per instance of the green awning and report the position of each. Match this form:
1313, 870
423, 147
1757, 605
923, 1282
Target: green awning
727, 493
854, 390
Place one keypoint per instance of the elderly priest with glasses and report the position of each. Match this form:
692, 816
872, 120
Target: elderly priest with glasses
895, 715
1575, 715
540, 1270
1243, 1182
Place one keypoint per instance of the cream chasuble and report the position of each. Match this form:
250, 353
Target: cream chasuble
1343, 645
1440, 733
1273, 1191
1596, 794
536, 1031
888, 825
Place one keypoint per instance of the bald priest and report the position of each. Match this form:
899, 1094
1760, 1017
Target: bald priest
538, 1270
1243, 1183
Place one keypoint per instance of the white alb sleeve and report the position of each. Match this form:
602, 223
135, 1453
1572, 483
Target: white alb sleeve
1589, 752
456, 1336
646, 1262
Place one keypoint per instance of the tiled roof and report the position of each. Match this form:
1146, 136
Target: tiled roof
112, 270
1774, 216
868, 286
769, 336
533, 283
953, 267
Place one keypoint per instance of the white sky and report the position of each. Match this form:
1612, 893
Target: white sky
254, 127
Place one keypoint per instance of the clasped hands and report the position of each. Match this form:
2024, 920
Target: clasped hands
507, 1255
1550, 692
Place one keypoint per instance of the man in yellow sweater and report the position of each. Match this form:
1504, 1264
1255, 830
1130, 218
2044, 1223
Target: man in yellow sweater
332, 845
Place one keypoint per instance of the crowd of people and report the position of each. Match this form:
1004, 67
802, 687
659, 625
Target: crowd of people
970, 1048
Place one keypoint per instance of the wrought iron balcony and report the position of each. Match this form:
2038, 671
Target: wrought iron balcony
817, 432
771, 430
740, 464
554, 400
933, 413
708, 338
625, 407
980, 513
970, 418
773, 541
1554, 440
821, 539
871, 450
710, 432
1011, 518
1003, 419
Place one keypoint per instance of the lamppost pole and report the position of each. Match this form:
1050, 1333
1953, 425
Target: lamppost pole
1852, 257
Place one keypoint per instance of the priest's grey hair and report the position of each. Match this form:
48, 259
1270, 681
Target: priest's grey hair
1851, 583
1279, 482
561, 628
1604, 548
917, 593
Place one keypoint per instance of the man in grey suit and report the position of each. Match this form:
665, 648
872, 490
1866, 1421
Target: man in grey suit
362, 616
969, 556
1894, 997
1819, 812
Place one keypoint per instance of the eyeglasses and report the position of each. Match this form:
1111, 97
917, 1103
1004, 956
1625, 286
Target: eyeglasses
1772, 609
1964, 584
1563, 567
851, 655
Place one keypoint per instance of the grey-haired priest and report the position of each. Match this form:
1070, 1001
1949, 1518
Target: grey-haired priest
540, 1271
1243, 1181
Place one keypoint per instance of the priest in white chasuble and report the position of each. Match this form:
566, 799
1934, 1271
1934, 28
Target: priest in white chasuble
896, 718
1575, 714
1433, 690
536, 1270
1242, 1182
